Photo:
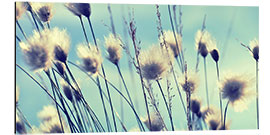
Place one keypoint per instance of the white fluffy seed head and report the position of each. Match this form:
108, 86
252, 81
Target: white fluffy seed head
38, 51
204, 42
213, 120
156, 122
170, 41
90, 57
113, 46
190, 83
155, 63
43, 10
236, 88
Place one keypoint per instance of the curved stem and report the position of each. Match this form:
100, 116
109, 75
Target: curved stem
225, 113
206, 86
84, 32
103, 72
122, 78
32, 14
220, 100
24, 35
119, 92
165, 101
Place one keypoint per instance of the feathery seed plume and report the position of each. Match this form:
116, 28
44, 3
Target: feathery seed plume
91, 58
254, 46
170, 40
113, 45
154, 63
79, 9
204, 42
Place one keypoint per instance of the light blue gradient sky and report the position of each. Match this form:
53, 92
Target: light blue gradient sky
245, 27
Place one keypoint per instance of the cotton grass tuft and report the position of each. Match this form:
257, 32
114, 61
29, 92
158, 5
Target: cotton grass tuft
79, 9
154, 63
254, 46
91, 58
170, 40
204, 42
113, 46
235, 88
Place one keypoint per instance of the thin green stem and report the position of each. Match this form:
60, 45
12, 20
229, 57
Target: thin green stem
225, 114
24, 35
32, 14
205, 79
178, 49
84, 32
165, 101
220, 100
257, 93
122, 78
119, 92
103, 72
53, 90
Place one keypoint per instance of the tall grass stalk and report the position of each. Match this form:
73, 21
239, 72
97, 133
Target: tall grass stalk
220, 100
118, 91
53, 90
24, 35
257, 93
133, 37
225, 114
180, 57
167, 107
205, 79
84, 32
123, 80
103, 72
172, 68
101, 96
35, 21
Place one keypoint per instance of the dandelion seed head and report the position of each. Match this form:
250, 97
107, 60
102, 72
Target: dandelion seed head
20, 127
113, 45
79, 9
195, 105
37, 52
44, 11
235, 88
48, 112
20, 9
91, 58
191, 83
254, 46
154, 63
204, 42
156, 122
213, 121
170, 40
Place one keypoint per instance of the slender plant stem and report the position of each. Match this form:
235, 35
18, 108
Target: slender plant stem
178, 49
48, 25
53, 88
205, 79
61, 100
84, 32
165, 101
103, 72
257, 93
103, 103
32, 14
82, 117
119, 92
26, 121
220, 100
18, 39
122, 78
24, 35
225, 114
